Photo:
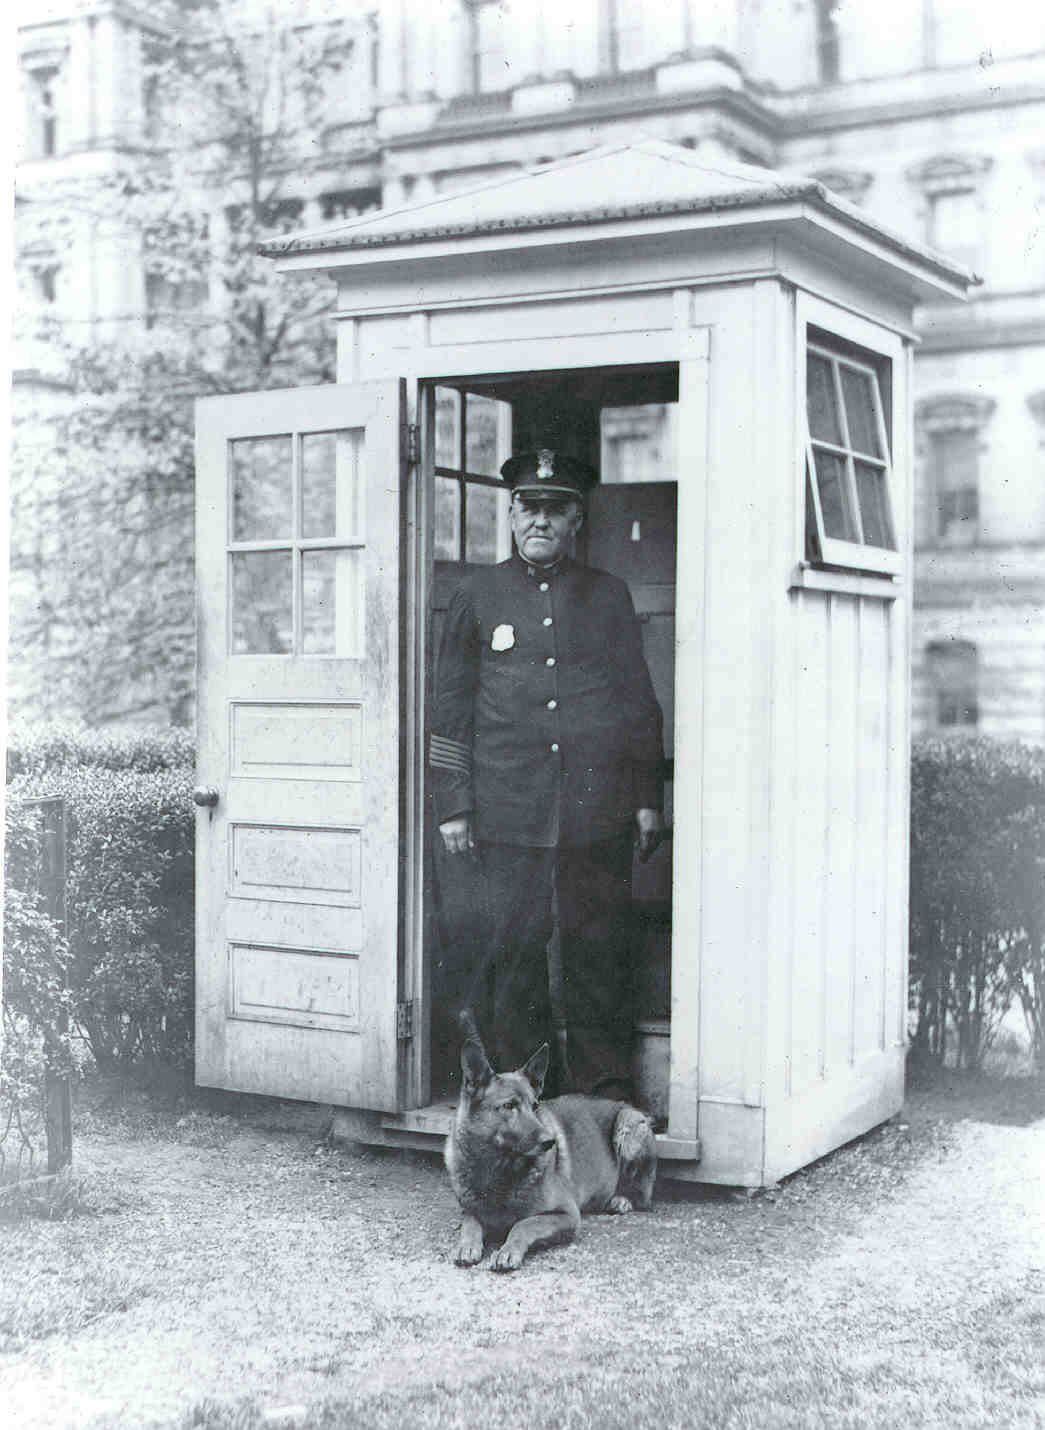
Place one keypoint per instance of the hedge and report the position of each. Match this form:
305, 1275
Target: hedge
129, 892
41, 749
977, 917
977, 920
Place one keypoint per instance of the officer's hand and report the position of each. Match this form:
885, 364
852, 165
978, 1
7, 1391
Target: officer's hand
650, 823
457, 834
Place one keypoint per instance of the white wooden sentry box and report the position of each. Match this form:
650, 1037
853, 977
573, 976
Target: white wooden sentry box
788, 943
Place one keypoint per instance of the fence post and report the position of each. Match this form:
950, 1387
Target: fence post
58, 1115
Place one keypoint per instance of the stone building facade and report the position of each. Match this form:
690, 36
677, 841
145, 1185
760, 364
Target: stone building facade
929, 113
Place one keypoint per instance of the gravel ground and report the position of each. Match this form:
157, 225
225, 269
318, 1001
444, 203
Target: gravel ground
227, 1275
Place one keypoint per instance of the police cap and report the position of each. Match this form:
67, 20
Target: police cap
550, 472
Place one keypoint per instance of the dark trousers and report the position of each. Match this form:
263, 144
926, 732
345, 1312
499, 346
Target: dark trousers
573, 991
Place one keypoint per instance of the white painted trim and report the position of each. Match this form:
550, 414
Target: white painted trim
848, 326
560, 295
693, 462
844, 583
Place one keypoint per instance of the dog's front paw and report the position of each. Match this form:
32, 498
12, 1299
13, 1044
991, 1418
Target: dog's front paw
618, 1206
507, 1258
469, 1244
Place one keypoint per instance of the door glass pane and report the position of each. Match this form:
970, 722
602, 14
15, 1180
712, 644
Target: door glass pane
447, 519
870, 488
487, 534
488, 435
834, 503
821, 401
330, 603
261, 488
329, 483
262, 603
859, 410
447, 427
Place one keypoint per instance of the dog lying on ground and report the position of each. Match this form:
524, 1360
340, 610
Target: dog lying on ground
524, 1170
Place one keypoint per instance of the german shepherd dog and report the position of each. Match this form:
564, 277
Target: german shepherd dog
524, 1170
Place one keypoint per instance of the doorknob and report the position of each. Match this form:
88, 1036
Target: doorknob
206, 796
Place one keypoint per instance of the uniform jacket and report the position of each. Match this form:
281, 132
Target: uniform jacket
546, 728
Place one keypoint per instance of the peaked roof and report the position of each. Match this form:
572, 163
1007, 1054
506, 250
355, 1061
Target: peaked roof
643, 179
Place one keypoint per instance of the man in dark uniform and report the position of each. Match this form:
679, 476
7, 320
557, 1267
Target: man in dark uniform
547, 758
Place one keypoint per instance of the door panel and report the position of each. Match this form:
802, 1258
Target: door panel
298, 528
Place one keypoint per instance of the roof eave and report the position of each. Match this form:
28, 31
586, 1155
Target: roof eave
930, 275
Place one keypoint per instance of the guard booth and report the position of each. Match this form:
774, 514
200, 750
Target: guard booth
755, 332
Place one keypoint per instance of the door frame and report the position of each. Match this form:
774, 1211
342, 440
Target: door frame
689, 347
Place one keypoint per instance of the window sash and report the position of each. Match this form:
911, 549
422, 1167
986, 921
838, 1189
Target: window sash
457, 474
854, 550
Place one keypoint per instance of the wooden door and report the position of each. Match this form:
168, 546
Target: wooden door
298, 838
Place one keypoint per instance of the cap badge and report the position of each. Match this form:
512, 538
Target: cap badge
503, 638
545, 465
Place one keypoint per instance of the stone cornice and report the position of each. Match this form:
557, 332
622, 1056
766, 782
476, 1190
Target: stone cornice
851, 184
953, 411
950, 173
737, 104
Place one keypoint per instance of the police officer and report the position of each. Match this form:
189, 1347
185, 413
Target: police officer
547, 760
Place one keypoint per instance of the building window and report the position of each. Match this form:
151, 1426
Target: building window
624, 30
166, 297
953, 213
950, 432
637, 443
954, 675
349, 203
45, 282
473, 437
43, 112
488, 45
849, 515
828, 52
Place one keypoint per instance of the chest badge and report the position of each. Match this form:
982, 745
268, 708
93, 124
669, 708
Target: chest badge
503, 638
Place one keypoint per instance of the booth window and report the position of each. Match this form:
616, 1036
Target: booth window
848, 468
473, 437
954, 674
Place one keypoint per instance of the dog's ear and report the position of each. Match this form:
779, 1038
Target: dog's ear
476, 1071
536, 1069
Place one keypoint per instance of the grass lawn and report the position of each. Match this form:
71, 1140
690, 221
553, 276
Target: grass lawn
207, 1267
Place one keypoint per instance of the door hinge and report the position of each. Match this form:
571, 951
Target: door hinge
413, 444
404, 1022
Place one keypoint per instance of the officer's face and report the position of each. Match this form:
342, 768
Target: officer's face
543, 527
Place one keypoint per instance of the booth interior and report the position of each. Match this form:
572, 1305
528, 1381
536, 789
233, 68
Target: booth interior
622, 422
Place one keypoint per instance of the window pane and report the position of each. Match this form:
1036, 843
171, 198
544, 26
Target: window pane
870, 488
638, 443
954, 672
957, 226
834, 499
447, 427
487, 533
486, 435
262, 604
447, 519
821, 401
859, 411
330, 603
329, 483
261, 488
